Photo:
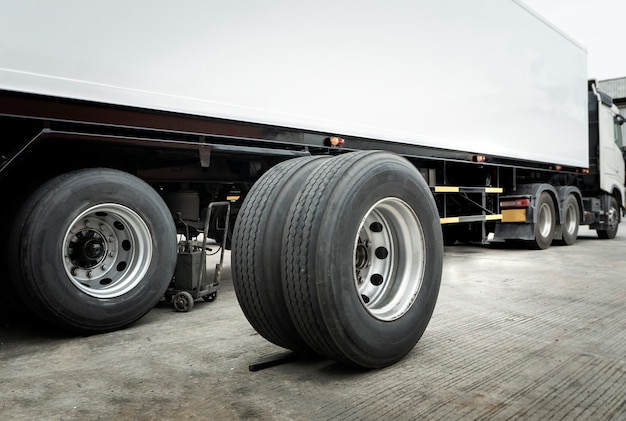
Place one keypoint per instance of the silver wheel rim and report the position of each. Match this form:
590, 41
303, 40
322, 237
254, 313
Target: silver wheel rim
545, 220
389, 254
571, 221
613, 218
107, 250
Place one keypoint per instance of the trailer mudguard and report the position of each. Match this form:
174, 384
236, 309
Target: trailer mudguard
525, 230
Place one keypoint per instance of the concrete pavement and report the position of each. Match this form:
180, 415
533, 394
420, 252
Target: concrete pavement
517, 334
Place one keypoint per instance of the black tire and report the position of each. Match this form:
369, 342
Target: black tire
546, 222
93, 250
256, 252
362, 258
571, 221
183, 301
611, 232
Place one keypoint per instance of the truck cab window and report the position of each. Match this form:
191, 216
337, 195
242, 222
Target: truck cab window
618, 127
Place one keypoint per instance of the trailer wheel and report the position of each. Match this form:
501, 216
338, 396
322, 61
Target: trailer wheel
256, 251
362, 258
571, 221
611, 231
546, 222
93, 250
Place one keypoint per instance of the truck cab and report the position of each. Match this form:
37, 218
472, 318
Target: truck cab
610, 148
607, 173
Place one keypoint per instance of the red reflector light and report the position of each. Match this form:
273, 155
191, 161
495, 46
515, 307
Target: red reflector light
515, 204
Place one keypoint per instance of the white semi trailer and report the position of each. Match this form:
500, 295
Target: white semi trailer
334, 147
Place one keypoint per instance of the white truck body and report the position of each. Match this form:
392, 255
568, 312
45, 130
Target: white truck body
438, 74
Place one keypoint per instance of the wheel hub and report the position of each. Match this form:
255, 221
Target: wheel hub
107, 250
88, 249
362, 256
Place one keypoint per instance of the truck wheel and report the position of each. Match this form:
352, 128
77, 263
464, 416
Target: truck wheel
611, 231
571, 221
362, 258
256, 251
546, 222
93, 250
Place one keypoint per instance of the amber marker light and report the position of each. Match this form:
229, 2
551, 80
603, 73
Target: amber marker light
479, 158
336, 141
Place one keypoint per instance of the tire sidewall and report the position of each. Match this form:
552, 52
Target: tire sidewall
612, 231
541, 241
355, 330
45, 224
571, 202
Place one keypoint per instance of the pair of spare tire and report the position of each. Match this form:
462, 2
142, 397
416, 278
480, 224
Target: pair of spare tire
340, 257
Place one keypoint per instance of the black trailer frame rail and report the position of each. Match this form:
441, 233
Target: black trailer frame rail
204, 149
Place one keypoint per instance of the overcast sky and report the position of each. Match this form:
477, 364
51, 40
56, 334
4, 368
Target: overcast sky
598, 25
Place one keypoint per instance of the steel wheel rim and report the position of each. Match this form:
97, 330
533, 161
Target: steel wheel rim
570, 220
107, 250
613, 218
389, 254
545, 220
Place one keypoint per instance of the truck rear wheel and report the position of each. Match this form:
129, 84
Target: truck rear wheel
546, 222
362, 258
256, 252
571, 221
93, 250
